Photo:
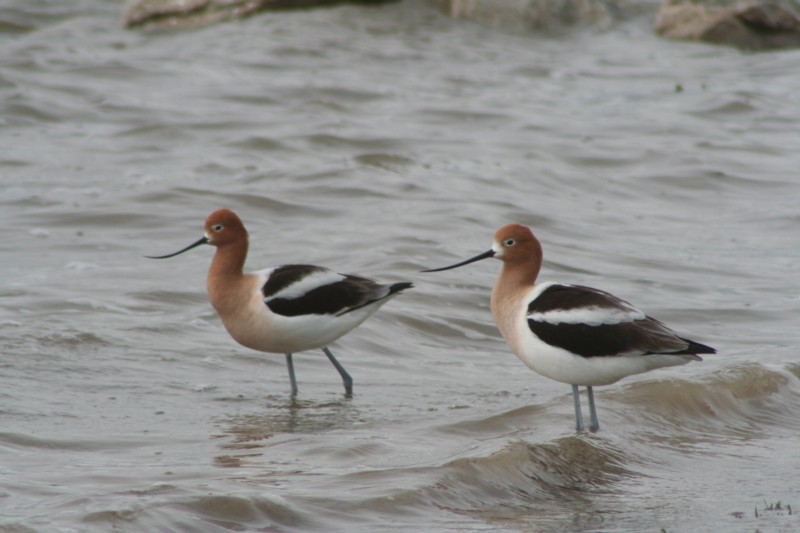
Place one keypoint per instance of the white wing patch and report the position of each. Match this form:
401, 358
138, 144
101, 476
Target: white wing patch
308, 283
591, 316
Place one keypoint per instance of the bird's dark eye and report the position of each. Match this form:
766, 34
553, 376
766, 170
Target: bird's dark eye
509, 242
217, 227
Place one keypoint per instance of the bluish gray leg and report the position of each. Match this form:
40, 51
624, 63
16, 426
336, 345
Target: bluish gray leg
348, 381
578, 416
290, 364
594, 425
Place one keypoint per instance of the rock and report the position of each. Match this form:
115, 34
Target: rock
159, 14
182, 14
755, 25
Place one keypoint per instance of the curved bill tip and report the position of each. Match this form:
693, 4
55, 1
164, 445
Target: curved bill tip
484, 255
204, 240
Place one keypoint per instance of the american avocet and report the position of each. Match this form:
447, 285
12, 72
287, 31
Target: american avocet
570, 333
286, 309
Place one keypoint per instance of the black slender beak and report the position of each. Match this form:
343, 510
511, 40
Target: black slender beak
204, 240
484, 255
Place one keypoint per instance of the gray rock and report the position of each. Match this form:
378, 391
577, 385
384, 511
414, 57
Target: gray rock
754, 25
153, 14
182, 14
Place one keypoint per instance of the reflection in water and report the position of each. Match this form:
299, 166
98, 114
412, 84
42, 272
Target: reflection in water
280, 416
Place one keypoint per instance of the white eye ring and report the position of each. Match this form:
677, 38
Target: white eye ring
509, 242
217, 228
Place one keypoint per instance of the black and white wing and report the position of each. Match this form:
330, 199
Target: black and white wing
295, 290
593, 323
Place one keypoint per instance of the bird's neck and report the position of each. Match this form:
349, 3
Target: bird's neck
511, 288
226, 272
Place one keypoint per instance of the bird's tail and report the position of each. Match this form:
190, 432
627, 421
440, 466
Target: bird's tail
399, 287
695, 348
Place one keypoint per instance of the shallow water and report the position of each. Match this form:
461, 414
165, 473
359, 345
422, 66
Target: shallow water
382, 141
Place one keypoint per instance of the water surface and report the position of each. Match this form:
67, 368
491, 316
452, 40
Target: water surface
382, 141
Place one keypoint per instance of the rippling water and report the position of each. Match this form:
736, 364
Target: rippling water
382, 141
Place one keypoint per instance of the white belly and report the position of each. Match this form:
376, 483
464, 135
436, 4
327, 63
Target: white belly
566, 367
